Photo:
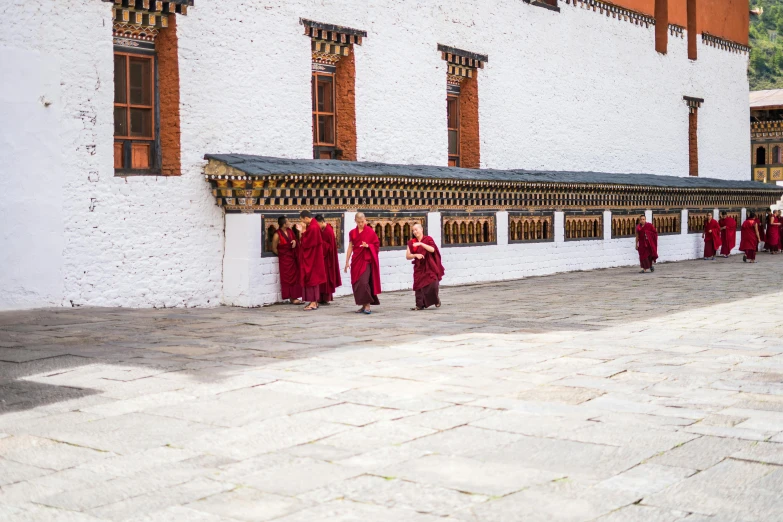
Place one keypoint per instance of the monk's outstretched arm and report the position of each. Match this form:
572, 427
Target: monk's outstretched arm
348, 256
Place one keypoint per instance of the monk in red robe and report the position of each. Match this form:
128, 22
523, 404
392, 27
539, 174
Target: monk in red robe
750, 238
427, 268
773, 233
362, 259
332, 264
284, 245
312, 269
780, 220
711, 236
646, 244
728, 233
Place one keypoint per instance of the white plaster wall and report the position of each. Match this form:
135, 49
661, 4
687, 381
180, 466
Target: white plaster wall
574, 90
31, 216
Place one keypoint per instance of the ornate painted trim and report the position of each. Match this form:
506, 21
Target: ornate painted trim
621, 13
766, 129
722, 43
237, 192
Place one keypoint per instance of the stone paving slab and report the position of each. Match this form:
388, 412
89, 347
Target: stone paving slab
602, 396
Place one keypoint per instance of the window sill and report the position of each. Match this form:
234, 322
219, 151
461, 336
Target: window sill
538, 3
123, 173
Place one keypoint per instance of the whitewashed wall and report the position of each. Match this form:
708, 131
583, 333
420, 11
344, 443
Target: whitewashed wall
574, 90
251, 280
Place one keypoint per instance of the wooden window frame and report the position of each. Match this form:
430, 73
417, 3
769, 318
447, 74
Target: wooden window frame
321, 147
666, 214
125, 143
546, 4
454, 98
546, 216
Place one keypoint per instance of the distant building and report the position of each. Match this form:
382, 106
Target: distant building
766, 135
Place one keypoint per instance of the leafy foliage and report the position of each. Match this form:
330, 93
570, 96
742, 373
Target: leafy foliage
765, 70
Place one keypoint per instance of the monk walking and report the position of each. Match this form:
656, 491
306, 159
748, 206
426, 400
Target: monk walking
284, 245
311, 261
331, 263
646, 244
728, 233
711, 236
362, 259
773, 233
750, 238
427, 268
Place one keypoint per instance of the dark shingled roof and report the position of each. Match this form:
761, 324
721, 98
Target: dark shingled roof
266, 166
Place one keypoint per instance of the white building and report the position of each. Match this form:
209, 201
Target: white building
109, 109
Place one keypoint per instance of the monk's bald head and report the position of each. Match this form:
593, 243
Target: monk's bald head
360, 219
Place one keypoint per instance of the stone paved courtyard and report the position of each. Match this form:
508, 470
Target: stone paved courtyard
604, 395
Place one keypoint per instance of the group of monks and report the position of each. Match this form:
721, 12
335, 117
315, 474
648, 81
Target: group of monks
719, 236
310, 270
758, 230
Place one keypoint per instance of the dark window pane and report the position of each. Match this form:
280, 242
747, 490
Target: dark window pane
141, 123
325, 96
120, 84
326, 129
314, 88
453, 110
120, 121
315, 130
140, 81
453, 142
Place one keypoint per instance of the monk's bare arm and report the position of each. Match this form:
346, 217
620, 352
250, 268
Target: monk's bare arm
275, 242
427, 248
408, 254
756, 228
348, 256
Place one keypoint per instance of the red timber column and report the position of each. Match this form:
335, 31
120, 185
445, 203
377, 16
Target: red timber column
692, 29
693, 130
345, 102
661, 26
167, 50
470, 144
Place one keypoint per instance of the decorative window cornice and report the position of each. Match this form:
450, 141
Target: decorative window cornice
336, 34
141, 20
462, 64
722, 43
693, 104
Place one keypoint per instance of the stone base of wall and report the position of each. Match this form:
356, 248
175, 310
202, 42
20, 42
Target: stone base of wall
250, 280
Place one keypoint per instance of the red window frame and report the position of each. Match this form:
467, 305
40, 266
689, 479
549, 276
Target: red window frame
453, 121
141, 147
324, 110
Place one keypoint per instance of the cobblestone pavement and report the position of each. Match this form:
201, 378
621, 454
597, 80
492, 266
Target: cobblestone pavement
605, 395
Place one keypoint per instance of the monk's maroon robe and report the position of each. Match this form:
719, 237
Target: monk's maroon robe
365, 266
311, 262
290, 286
749, 242
331, 263
427, 273
773, 234
728, 237
711, 238
648, 245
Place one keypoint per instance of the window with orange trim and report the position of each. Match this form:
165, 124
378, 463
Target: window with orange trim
452, 104
324, 116
134, 112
